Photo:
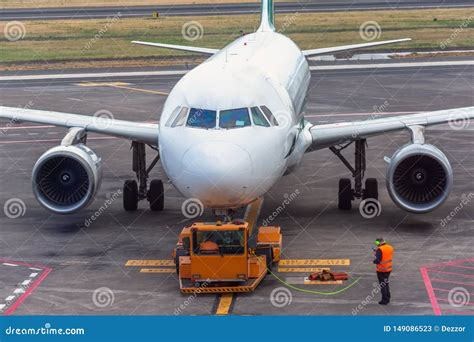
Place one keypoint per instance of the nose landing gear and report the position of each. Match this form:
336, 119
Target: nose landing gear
346, 193
137, 190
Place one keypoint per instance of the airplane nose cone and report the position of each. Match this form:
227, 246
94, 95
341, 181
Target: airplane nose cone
217, 173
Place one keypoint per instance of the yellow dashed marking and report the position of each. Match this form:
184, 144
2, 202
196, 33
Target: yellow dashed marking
143, 263
301, 269
315, 262
224, 304
120, 85
158, 270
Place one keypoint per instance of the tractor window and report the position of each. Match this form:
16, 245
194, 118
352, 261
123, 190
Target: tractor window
215, 242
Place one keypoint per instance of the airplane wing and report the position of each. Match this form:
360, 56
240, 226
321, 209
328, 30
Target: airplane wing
205, 51
136, 131
327, 135
329, 50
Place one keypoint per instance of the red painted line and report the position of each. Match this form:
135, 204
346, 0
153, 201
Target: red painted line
453, 282
22, 263
25, 295
444, 290
450, 263
459, 266
454, 273
460, 312
34, 285
447, 300
429, 290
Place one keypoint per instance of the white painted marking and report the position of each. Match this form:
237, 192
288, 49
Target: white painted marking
93, 75
8, 264
35, 269
32, 275
2, 306
9, 298
26, 282
295, 280
391, 65
182, 72
19, 290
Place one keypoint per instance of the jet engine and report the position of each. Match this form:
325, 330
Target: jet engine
419, 178
66, 178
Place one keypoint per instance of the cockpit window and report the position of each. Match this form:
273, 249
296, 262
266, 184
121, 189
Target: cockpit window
269, 115
258, 118
234, 118
202, 118
180, 118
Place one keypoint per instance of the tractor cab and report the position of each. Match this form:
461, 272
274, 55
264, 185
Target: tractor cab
216, 256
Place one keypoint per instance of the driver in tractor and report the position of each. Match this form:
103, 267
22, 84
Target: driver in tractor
208, 246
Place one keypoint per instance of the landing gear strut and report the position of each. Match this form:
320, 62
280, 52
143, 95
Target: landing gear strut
137, 190
346, 193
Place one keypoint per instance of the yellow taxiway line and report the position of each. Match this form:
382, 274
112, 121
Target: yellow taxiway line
301, 269
252, 212
251, 216
315, 262
158, 270
120, 85
149, 263
225, 301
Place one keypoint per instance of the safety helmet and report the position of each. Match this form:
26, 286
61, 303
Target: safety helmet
379, 241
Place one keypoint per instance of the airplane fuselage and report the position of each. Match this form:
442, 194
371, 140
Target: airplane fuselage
229, 167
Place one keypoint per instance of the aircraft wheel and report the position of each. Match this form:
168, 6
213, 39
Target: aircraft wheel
130, 195
156, 195
371, 189
345, 194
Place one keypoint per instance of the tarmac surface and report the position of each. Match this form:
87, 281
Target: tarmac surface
224, 9
58, 265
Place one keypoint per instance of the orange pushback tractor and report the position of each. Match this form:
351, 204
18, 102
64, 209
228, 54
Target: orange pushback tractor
225, 257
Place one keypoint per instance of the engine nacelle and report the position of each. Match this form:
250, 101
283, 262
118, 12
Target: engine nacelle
419, 178
66, 178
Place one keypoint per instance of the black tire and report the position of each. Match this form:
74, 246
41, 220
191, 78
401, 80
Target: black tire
345, 194
371, 189
156, 195
268, 252
130, 195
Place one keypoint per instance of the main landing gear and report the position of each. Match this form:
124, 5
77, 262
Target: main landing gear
346, 193
137, 190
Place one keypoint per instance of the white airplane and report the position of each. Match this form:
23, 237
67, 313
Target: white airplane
232, 127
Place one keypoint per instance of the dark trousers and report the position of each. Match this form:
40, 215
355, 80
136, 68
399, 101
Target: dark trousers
384, 285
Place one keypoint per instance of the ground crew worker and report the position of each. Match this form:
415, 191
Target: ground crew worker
383, 262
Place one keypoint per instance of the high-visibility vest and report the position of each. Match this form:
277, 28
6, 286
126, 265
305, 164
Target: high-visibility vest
209, 246
385, 264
